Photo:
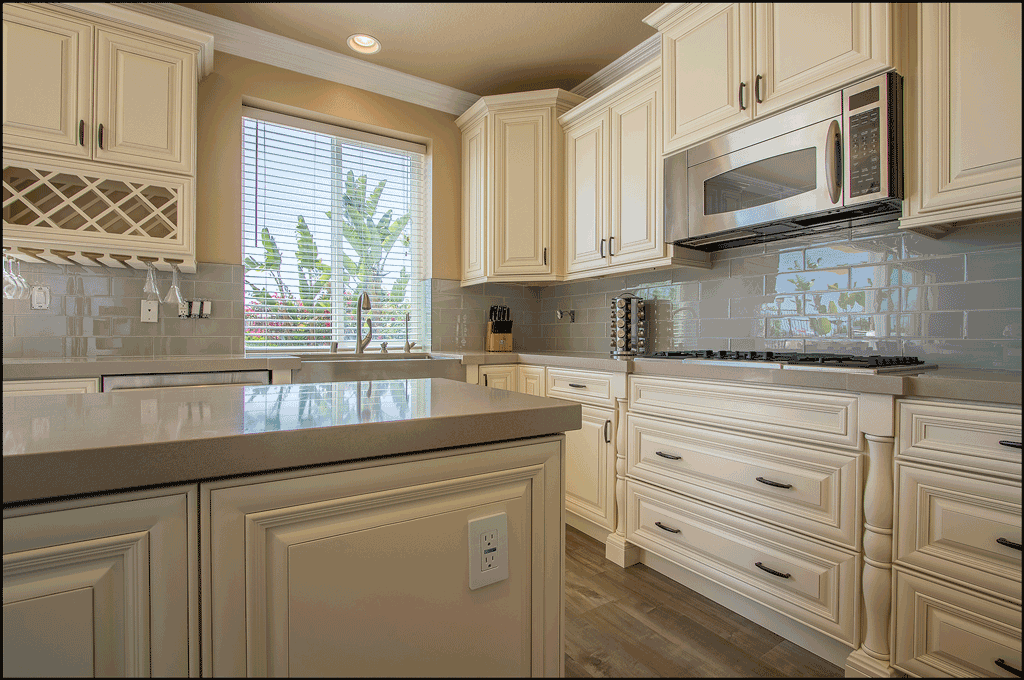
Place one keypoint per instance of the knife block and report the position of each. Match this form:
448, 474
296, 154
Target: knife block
499, 336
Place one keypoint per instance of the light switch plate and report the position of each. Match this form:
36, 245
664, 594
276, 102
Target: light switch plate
149, 308
40, 297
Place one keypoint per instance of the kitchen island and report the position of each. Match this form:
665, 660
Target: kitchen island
327, 523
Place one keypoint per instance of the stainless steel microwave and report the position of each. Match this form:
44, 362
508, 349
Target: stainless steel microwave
832, 163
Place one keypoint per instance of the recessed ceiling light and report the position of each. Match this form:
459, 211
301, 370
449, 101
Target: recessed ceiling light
364, 44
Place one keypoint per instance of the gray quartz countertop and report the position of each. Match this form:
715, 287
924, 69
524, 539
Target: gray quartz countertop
95, 367
86, 443
594, 361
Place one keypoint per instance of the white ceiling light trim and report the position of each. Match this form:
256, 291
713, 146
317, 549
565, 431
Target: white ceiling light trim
364, 44
252, 43
627, 63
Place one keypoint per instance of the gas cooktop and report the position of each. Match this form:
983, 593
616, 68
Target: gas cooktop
802, 361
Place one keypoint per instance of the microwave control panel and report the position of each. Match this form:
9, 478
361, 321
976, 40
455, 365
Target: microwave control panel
865, 156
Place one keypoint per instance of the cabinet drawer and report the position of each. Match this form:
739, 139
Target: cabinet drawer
585, 386
809, 490
961, 435
816, 585
950, 524
946, 631
814, 416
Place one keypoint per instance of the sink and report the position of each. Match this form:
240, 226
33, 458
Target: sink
346, 367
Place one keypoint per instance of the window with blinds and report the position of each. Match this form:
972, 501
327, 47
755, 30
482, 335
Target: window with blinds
328, 213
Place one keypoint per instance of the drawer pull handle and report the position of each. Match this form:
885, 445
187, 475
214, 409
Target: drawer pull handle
1008, 543
771, 483
1008, 668
578, 386
668, 529
81, 133
771, 571
607, 436
1012, 445
667, 455
485, 380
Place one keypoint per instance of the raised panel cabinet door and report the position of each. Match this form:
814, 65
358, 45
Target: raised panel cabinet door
25, 388
807, 49
586, 189
590, 468
499, 377
47, 84
705, 58
474, 201
522, 193
531, 380
364, 571
108, 589
970, 111
636, 223
145, 94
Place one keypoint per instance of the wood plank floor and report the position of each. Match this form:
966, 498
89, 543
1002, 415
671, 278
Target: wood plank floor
636, 622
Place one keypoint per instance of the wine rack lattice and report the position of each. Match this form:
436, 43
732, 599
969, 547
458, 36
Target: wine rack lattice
50, 199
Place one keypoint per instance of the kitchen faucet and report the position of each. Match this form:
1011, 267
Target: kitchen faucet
408, 345
361, 304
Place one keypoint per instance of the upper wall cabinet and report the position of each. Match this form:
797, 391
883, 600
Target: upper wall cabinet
77, 88
613, 179
725, 64
512, 187
99, 129
963, 114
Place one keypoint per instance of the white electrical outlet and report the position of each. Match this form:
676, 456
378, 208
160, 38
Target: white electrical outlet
488, 550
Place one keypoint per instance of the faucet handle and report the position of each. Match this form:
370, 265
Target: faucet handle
384, 347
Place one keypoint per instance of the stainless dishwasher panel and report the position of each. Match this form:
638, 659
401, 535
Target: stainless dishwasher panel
113, 383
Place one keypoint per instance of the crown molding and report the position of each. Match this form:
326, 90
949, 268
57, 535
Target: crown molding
252, 43
624, 65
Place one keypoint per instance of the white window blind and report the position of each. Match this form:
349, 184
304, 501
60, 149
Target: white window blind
327, 213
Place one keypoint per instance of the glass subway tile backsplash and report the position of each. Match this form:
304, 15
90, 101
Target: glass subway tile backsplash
94, 311
955, 301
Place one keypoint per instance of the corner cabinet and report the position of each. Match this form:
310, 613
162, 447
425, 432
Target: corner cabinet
613, 179
104, 586
99, 131
512, 187
963, 115
726, 64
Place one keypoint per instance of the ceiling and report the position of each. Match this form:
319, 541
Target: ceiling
481, 48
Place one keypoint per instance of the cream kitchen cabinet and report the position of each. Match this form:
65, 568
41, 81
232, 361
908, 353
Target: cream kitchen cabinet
84, 89
499, 376
348, 570
613, 175
26, 388
512, 212
963, 115
99, 134
531, 380
957, 538
105, 586
725, 64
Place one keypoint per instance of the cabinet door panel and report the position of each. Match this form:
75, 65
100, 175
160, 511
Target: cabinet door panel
47, 84
636, 178
970, 81
704, 60
590, 468
522, 188
474, 207
499, 377
586, 154
531, 380
143, 92
804, 49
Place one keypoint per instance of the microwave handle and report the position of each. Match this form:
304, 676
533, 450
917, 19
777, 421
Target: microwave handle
833, 161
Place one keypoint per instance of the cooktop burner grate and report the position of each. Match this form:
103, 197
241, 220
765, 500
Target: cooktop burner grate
795, 358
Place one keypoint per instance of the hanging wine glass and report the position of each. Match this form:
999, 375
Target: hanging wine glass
19, 280
150, 289
174, 292
10, 287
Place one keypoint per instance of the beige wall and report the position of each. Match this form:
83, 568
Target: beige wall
218, 176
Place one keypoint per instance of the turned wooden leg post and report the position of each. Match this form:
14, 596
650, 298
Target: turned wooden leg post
616, 548
872, 659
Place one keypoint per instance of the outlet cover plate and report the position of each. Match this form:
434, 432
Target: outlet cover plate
498, 526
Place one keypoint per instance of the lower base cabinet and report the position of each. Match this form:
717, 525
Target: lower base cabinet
106, 586
590, 468
363, 569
